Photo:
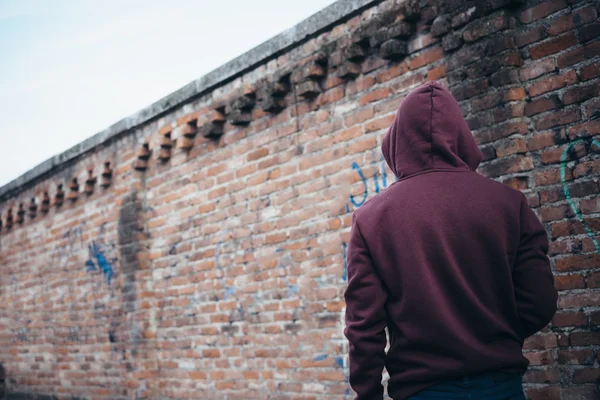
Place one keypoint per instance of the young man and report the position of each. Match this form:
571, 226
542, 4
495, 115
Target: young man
452, 263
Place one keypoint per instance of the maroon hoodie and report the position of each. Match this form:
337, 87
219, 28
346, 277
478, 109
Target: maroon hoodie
452, 263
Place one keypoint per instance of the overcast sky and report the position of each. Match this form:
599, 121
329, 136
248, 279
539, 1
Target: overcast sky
71, 68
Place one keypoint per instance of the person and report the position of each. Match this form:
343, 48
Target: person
452, 263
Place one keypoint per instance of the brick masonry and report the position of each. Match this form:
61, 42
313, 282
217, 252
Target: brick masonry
201, 253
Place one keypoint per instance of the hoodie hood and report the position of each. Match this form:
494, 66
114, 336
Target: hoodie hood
429, 133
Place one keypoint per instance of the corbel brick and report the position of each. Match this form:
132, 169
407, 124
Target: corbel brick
45, 207
73, 190
59, 197
142, 157
90, 182
32, 208
393, 49
9, 218
107, 174
21, 214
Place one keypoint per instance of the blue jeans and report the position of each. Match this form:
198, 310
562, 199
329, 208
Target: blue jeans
493, 386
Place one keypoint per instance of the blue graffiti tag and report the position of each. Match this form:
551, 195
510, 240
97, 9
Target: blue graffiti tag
378, 169
345, 253
100, 261
563, 162
228, 290
357, 168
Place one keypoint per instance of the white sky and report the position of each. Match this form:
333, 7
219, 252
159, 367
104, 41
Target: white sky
69, 69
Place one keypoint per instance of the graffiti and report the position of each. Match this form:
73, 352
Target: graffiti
578, 214
228, 290
283, 263
345, 255
339, 362
22, 334
74, 335
97, 261
74, 237
378, 170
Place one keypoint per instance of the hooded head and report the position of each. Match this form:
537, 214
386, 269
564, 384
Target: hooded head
429, 133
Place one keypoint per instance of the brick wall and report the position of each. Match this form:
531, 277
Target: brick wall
201, 254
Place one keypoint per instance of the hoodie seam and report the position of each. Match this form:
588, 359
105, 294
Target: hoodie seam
434, 170
431, 126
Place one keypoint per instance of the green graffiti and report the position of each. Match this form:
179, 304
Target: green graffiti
563, 167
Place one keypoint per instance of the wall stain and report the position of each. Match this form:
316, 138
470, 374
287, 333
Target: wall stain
563, 160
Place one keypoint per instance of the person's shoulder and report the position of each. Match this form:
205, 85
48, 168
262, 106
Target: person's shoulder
371, 204
502, 188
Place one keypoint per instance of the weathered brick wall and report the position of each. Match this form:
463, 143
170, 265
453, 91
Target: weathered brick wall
207, 259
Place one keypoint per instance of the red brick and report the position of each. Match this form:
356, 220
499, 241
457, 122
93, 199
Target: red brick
585, 129
506, 166
588, 32
552, 83
577, 300
540, 357
257, 154
375, 95
572, 20
426, 57
589, 71
532, 35
541, 10
567, 282
584, 338
578, 262
580, 392
508, 147
543, 393
555, 213
379, 123
542, 104
541, 140
436, 73
578, 55
564, 319
589, 206
553, 46
576, 357
481, 28
549, 375
536, 69
558, 118
581, 93
586, 375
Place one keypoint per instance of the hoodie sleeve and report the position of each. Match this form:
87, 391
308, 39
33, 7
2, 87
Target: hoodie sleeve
365, 319
532, 276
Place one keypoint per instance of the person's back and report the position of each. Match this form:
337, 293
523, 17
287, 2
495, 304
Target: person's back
452, 263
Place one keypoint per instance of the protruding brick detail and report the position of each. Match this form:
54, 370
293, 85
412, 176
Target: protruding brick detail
308, 89
411, 10
357, 52
241, 108
393, 49
216, 122
21, 214
143, 156
9, 218
107, 174
348, 70
59, 197
273, 99
166, 144
73, 190
32, 208
90, 182
45, 206
186, 132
